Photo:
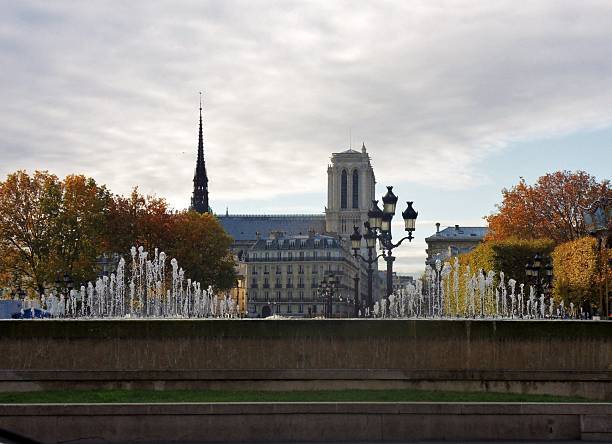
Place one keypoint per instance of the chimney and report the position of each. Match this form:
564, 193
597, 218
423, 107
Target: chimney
437, 227
457, 227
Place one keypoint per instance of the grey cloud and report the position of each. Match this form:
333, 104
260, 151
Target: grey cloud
434, 88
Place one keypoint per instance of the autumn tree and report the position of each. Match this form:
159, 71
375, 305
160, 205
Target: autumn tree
138, 220
201, 247
50, 227
551, 208
80, 227
29, 207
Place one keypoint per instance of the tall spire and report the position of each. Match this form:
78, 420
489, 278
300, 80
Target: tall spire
199, 199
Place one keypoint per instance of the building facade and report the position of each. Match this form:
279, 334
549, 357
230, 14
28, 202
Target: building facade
453, 241
284, 276
350, 191
300, 249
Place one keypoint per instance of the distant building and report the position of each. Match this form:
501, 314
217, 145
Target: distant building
199, 198
350, 191
401, 282
453, 241
284, 274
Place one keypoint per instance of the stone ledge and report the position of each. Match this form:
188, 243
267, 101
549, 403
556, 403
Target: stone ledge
309, 374
291, 422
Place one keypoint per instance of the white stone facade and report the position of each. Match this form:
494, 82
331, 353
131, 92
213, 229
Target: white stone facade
350, 191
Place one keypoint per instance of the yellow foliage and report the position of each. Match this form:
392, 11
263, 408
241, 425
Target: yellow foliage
576, 271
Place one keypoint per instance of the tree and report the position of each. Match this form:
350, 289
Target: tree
577, 272
201, 247
79, 229
138, 221
29, 207
552, 208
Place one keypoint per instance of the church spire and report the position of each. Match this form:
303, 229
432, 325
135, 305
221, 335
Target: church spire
199, 200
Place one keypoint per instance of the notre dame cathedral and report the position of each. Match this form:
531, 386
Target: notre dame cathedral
284, 258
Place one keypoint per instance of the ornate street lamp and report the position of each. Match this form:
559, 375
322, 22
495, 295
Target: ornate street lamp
385, 236
327, 288
379, 227
370, 240
375, 216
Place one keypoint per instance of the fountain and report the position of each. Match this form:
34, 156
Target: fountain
144, 292
446, 293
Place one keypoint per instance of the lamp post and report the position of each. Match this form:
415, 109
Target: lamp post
384, 233
356, 295
370, 240
597, 218
378, 228
539, 272
327, 288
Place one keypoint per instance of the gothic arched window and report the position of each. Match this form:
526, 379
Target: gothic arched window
355, 189
343, 190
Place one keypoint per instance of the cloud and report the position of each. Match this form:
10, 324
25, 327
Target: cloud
109, 89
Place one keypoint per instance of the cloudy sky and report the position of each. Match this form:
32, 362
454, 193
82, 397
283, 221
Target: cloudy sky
454, 100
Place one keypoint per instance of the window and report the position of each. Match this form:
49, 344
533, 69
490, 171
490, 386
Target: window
301, 308
355, 189
289, 269
289, 295
301, 295
267, 255
328, 255
343, 190
289, 308
290, 255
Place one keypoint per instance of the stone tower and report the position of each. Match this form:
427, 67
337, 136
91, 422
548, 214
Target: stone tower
350, 191
199, 199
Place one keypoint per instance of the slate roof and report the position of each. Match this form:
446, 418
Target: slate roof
459, 233
246, 227
317, 241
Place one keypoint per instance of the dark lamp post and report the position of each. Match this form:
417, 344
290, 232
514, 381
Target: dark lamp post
370, 238
549, 270
410, 217
537, 261
355, 239
389, 202
375, 216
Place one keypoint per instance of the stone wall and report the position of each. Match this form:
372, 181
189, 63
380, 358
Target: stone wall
297, 422
557, 357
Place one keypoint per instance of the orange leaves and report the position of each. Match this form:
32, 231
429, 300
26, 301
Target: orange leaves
552, 208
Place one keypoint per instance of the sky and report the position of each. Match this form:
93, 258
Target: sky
454, 100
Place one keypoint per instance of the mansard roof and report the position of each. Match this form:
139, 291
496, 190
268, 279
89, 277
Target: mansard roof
459, 233
299, 242
250, 227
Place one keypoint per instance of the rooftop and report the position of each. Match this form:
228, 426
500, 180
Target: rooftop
459, 233
249, 227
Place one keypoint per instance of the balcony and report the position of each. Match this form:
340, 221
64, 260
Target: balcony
300, 286
266, 285
278, 286
290, 285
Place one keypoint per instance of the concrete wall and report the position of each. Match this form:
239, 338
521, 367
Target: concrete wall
557, 357
307, 422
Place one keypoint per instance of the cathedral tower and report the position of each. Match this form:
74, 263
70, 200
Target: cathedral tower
350, 191
199, 199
